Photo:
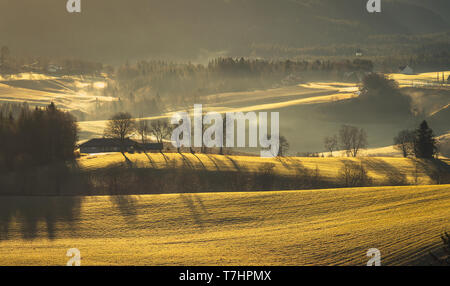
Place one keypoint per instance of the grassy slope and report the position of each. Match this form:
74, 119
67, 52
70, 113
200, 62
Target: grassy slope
321, 227
379, 168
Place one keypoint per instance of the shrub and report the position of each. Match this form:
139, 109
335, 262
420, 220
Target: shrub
352, 174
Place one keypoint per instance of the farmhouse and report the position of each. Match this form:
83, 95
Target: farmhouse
102, 145
53, 68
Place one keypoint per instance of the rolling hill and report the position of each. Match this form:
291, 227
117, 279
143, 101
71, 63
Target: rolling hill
321, 227
379, 169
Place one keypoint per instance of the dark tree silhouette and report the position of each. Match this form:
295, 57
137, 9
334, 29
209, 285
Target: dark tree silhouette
143, 130
404, 142
284, 146
331, 144
425, 142
120, 126
36, 137
352, 139
161, 129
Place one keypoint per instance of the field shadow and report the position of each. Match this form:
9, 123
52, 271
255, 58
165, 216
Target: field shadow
283, 162
150, 160
166, 159
197, 213
186, 161
437, 170
393, 177
127, 206
235, 164
213, 160
127, 160
203, 165
30, 211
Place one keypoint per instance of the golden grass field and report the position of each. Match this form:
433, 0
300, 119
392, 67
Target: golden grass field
314, 227
379, 168
422, 78
67, 92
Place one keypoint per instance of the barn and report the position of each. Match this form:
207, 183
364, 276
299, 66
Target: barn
102, 145
105, 145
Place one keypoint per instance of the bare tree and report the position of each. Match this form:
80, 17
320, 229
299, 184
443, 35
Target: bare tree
331, 143
404, 142
284, 146
120, 126
352, 139
352, 174
143, 130
160, 129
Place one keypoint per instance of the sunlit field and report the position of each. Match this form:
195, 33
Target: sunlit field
319, 227
378, 168
429, 78
67, 92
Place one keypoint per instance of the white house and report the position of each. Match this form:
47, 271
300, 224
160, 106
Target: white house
406, 70
53, 68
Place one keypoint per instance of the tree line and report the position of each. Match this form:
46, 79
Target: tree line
122, 126
420, 143
12, 64
36, 137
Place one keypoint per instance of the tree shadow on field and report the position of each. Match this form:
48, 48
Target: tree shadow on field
235, 164
150, 160
127, 206
29, 212
128, 161
197, 214
203, 165
186, 161
166, 159
283, 162
213, 160
393, 177
437, 170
